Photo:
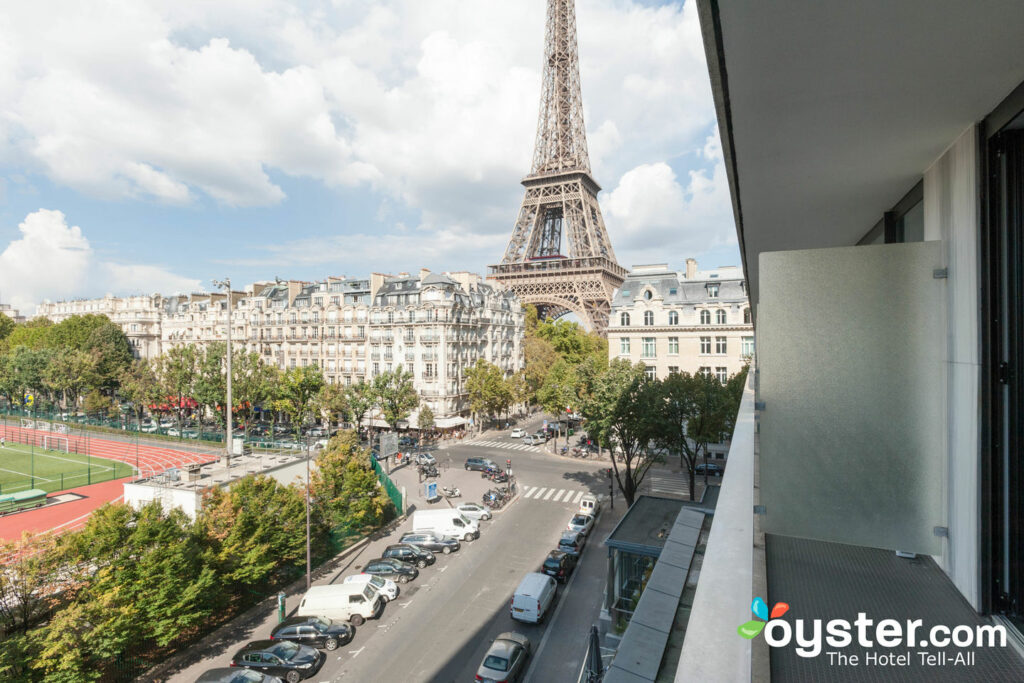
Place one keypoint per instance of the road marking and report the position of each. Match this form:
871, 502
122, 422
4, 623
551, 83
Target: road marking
529, 492
405, 604
549, 494
578, 496
442, 569
355, 653
558, 496
540, 492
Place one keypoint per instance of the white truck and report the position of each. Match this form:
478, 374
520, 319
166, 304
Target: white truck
352, 602
446, 523
590, 505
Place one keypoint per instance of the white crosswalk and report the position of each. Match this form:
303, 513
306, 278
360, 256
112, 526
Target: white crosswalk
552, 494
509, 445
673, 483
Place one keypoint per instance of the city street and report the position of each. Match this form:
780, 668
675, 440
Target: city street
441, 625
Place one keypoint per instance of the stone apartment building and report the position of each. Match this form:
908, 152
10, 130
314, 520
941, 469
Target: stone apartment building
434, 325
690, 321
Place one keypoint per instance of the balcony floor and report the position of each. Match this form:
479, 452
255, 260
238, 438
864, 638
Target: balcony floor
831, 580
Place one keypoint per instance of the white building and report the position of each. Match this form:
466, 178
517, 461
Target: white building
139, 316
691, 321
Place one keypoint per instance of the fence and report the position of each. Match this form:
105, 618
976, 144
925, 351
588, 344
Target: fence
394, 493
124, 422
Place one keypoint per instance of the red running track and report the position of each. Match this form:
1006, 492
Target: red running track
148, 461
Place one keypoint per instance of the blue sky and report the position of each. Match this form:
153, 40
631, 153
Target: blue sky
151, 147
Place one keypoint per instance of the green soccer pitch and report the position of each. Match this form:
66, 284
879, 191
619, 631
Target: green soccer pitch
21, 470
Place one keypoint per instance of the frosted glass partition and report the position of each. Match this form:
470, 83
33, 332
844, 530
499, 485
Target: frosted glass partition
851, 350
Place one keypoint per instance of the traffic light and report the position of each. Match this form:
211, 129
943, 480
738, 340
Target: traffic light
608, 471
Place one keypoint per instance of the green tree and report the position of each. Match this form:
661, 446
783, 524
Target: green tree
632, 429
298, 391
254, 549
138, 385
540, 357
112, 353
677, 407
35, 334
76, 331
210, 389
488, 392
68, 372
333, 403
176, 371
518, 389
27, 368
97, 404
6, 326
395, 395
32, 577
253, 383
558, 392
425, 420
361, 399
345, 488
570, 341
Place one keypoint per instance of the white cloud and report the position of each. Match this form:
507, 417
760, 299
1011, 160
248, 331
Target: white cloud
52, 260
658, 218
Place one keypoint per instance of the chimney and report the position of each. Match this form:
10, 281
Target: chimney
423, 273
691, 268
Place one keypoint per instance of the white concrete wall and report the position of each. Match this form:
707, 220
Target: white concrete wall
952, 215
189, 500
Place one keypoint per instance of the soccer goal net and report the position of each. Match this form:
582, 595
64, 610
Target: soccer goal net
56, 443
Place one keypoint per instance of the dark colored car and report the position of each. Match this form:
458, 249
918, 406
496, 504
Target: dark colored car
559, 564
281, 658
228, 675
480, 464
431, 542
712, 468
410, 553
572, 542
390, 568
319, 632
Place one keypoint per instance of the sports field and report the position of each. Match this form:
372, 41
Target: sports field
50, 470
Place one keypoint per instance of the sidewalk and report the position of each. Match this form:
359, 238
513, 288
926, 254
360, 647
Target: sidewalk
562, 649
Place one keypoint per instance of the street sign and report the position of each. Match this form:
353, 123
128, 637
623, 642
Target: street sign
388, 444
545, 423
430, 490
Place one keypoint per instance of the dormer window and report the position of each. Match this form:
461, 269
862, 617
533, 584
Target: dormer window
648, 295
713, 291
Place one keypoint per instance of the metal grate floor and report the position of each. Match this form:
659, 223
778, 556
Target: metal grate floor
833, 581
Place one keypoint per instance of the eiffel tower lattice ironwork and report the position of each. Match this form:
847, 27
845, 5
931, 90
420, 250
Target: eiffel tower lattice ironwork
560, 258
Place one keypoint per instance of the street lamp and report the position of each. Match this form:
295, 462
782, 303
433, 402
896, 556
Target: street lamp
225, 284
308, 559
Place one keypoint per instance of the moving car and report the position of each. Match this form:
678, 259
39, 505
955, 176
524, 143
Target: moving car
473, 511
580, 522
386, 588
559, 565
517, 433
281, 658
410, 553
505, 661
713, 469
433, 542
319, 632
389, 568
533, 440
228, 675
480, 464
572, 542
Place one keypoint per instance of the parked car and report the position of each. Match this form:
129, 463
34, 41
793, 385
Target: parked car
533, 440
533, 598
173, 431
406, 552
435, 543
387, 588
474, 511
281, 658
406, 441
148, 428
228, 675
581, 523
543, 434
319, 632
559, 565
393, 569
506, 659
517, 433
480, 464
426, 459
572, 542
713, 469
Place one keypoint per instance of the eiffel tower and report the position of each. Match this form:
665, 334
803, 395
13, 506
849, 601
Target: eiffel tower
560, 258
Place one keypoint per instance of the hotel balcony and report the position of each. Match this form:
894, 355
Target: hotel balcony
875, 157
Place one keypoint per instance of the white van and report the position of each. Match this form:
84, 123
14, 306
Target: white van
445, 523
387, 588
533, 598
352, 602
589, 505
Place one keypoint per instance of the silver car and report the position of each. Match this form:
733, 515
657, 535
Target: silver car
474, 511
581, 523
506, 660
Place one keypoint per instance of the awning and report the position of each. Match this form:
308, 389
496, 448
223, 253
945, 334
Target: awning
382, 424
448, 422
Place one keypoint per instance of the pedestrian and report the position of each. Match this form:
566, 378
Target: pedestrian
3, 442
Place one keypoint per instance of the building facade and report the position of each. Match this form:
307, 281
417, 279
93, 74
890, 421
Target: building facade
139, 316
433, 325
691, 321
